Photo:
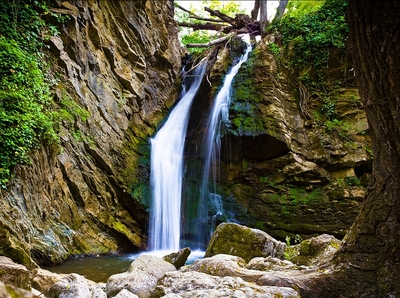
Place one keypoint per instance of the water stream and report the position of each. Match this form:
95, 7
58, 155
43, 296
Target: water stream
219, 115
166, 182
166, 172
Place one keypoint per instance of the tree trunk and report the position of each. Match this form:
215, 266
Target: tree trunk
281, 9
370, 254
263, 17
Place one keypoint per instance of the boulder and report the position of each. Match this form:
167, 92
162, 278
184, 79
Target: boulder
125, 294
43, 280
225, 265
315, 251
141, 277
178, 259
244, 242
75, 286
9, 291
196, 284
271, 264
14, 274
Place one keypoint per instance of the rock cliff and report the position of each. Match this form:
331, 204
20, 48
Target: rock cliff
115, 65
287, 166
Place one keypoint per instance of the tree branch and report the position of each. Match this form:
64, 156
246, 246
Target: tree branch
211, 43
202, 26
220, 15
194, 16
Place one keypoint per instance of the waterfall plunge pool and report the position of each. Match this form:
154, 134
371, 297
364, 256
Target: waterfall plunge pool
100, 268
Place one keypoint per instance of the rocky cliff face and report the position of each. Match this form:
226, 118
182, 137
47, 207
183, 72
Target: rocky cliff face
115, 65
296, 169
288, 167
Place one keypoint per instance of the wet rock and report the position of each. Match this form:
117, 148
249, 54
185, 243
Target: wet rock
178, 259
197, 284
141, 277
247, 243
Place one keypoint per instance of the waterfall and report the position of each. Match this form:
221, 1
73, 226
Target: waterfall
166, 171
219, 115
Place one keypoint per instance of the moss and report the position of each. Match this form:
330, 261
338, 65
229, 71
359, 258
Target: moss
245, 114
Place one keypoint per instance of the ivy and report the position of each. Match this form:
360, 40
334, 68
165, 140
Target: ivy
24, 96
311, 34
26, 117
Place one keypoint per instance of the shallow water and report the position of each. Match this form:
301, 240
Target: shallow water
99, 269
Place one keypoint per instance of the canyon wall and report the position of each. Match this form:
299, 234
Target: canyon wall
115, 65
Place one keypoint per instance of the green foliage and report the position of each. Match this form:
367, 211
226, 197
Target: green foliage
312, 28
188, 36
300, 196
199, 36
25, 101
69, 112
352, 181
275, 51
24, 98
329, 107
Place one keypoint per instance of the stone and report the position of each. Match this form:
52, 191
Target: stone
178, 259
10, 291
315, 251
125, 294
270, 264
75, 286
14, 274
225, 265
141, 277
196, 284
43, 280
247, 243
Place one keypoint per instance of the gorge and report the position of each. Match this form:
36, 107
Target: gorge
294, 162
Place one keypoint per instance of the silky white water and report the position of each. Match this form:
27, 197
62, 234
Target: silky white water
219, 115
166, 172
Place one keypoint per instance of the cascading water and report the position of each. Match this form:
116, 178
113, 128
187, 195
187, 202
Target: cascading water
219, 115
166, 171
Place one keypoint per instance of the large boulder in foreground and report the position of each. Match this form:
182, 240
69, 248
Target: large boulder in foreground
244, 242
141, 277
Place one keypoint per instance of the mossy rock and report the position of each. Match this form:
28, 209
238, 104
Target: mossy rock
244, 242
314, 251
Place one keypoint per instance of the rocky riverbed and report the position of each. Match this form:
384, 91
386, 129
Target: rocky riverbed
250, 263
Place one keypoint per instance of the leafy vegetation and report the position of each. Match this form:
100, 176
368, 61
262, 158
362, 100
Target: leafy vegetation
310, 29
25, 100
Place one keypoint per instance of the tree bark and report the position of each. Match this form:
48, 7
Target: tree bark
281, 9
263, 17
370, 253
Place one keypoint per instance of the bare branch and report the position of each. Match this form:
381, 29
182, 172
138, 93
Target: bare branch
194, 16
202, 26
211, 43
220, 15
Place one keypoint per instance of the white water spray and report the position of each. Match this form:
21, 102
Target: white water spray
166, 172
219, 115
